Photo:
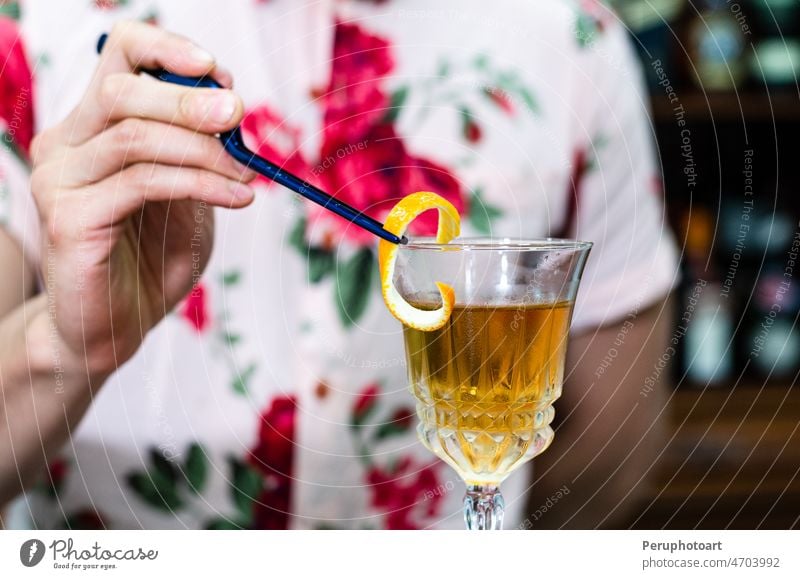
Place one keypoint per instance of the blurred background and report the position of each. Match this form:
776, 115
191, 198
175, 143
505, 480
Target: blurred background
722, 77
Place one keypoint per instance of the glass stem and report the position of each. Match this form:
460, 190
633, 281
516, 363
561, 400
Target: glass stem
483, 508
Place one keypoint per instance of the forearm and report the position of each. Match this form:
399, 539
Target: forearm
45, 391
609, 425
116, 185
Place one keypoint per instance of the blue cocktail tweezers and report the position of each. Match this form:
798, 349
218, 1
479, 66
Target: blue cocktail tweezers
234, 144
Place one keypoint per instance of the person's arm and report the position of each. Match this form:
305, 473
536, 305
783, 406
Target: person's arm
609, 418
41, 394
609, 425
18, 278
45, 390
117, 186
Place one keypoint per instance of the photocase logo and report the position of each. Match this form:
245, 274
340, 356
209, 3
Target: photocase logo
31, 552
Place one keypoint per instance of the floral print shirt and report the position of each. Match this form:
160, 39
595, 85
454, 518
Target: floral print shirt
275, 396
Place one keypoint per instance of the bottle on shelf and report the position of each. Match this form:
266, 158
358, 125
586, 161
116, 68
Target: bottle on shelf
651, 23
771, 337
716, 41
706, 317
775, 59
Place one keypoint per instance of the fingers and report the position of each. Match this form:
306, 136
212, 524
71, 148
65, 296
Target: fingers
133, 45
124, 193
124, 95
223, 76
69, 214
134, 141
115, 88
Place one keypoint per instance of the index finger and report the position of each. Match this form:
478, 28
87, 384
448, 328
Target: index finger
130, 46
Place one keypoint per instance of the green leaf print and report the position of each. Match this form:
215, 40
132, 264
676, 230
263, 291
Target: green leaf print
10, 10
196, 468
396, 105
241, 381
222, 524
470, 129
230, 338
164, 466
164, 482
481, 214
7, 142
353, 287
393, 428
443, 69
85, 519
481, 61
585, 29
321, 263
598, 143
527, 98
511, 84
156, 490
231, 277
246, 487
297, 236
151, 16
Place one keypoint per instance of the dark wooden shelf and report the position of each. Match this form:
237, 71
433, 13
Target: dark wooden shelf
750, 106
733, 462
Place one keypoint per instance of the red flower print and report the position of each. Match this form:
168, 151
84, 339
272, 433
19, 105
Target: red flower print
360, 55
472, 131
195, 309
363, 161
275, 448
373, 177
580, 166
352, 112
399, 423
86, 519
600, 14
424, 175
500, 98
57, 470
322, 390
406, 493
269, 135
368, 177
355, 102
657, 184
109, 4
402, 418
16, 89
151, 18
273, 456
365, 403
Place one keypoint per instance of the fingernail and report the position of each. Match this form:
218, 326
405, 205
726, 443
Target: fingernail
200, 55
220, 108
241, 191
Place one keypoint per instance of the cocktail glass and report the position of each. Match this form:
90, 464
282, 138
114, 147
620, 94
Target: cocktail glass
485, 383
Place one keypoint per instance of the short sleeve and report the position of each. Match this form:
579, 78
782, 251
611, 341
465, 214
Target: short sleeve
17, 210
616, 194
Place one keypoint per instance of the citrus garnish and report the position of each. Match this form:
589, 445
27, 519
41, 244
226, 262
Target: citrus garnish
400, 217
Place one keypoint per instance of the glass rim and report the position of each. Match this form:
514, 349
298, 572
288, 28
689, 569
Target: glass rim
497, 244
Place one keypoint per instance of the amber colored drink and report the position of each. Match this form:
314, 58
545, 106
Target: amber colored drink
485, 384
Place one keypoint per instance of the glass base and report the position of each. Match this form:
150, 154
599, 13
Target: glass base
483, 508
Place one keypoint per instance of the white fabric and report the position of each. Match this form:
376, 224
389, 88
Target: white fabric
177, 387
